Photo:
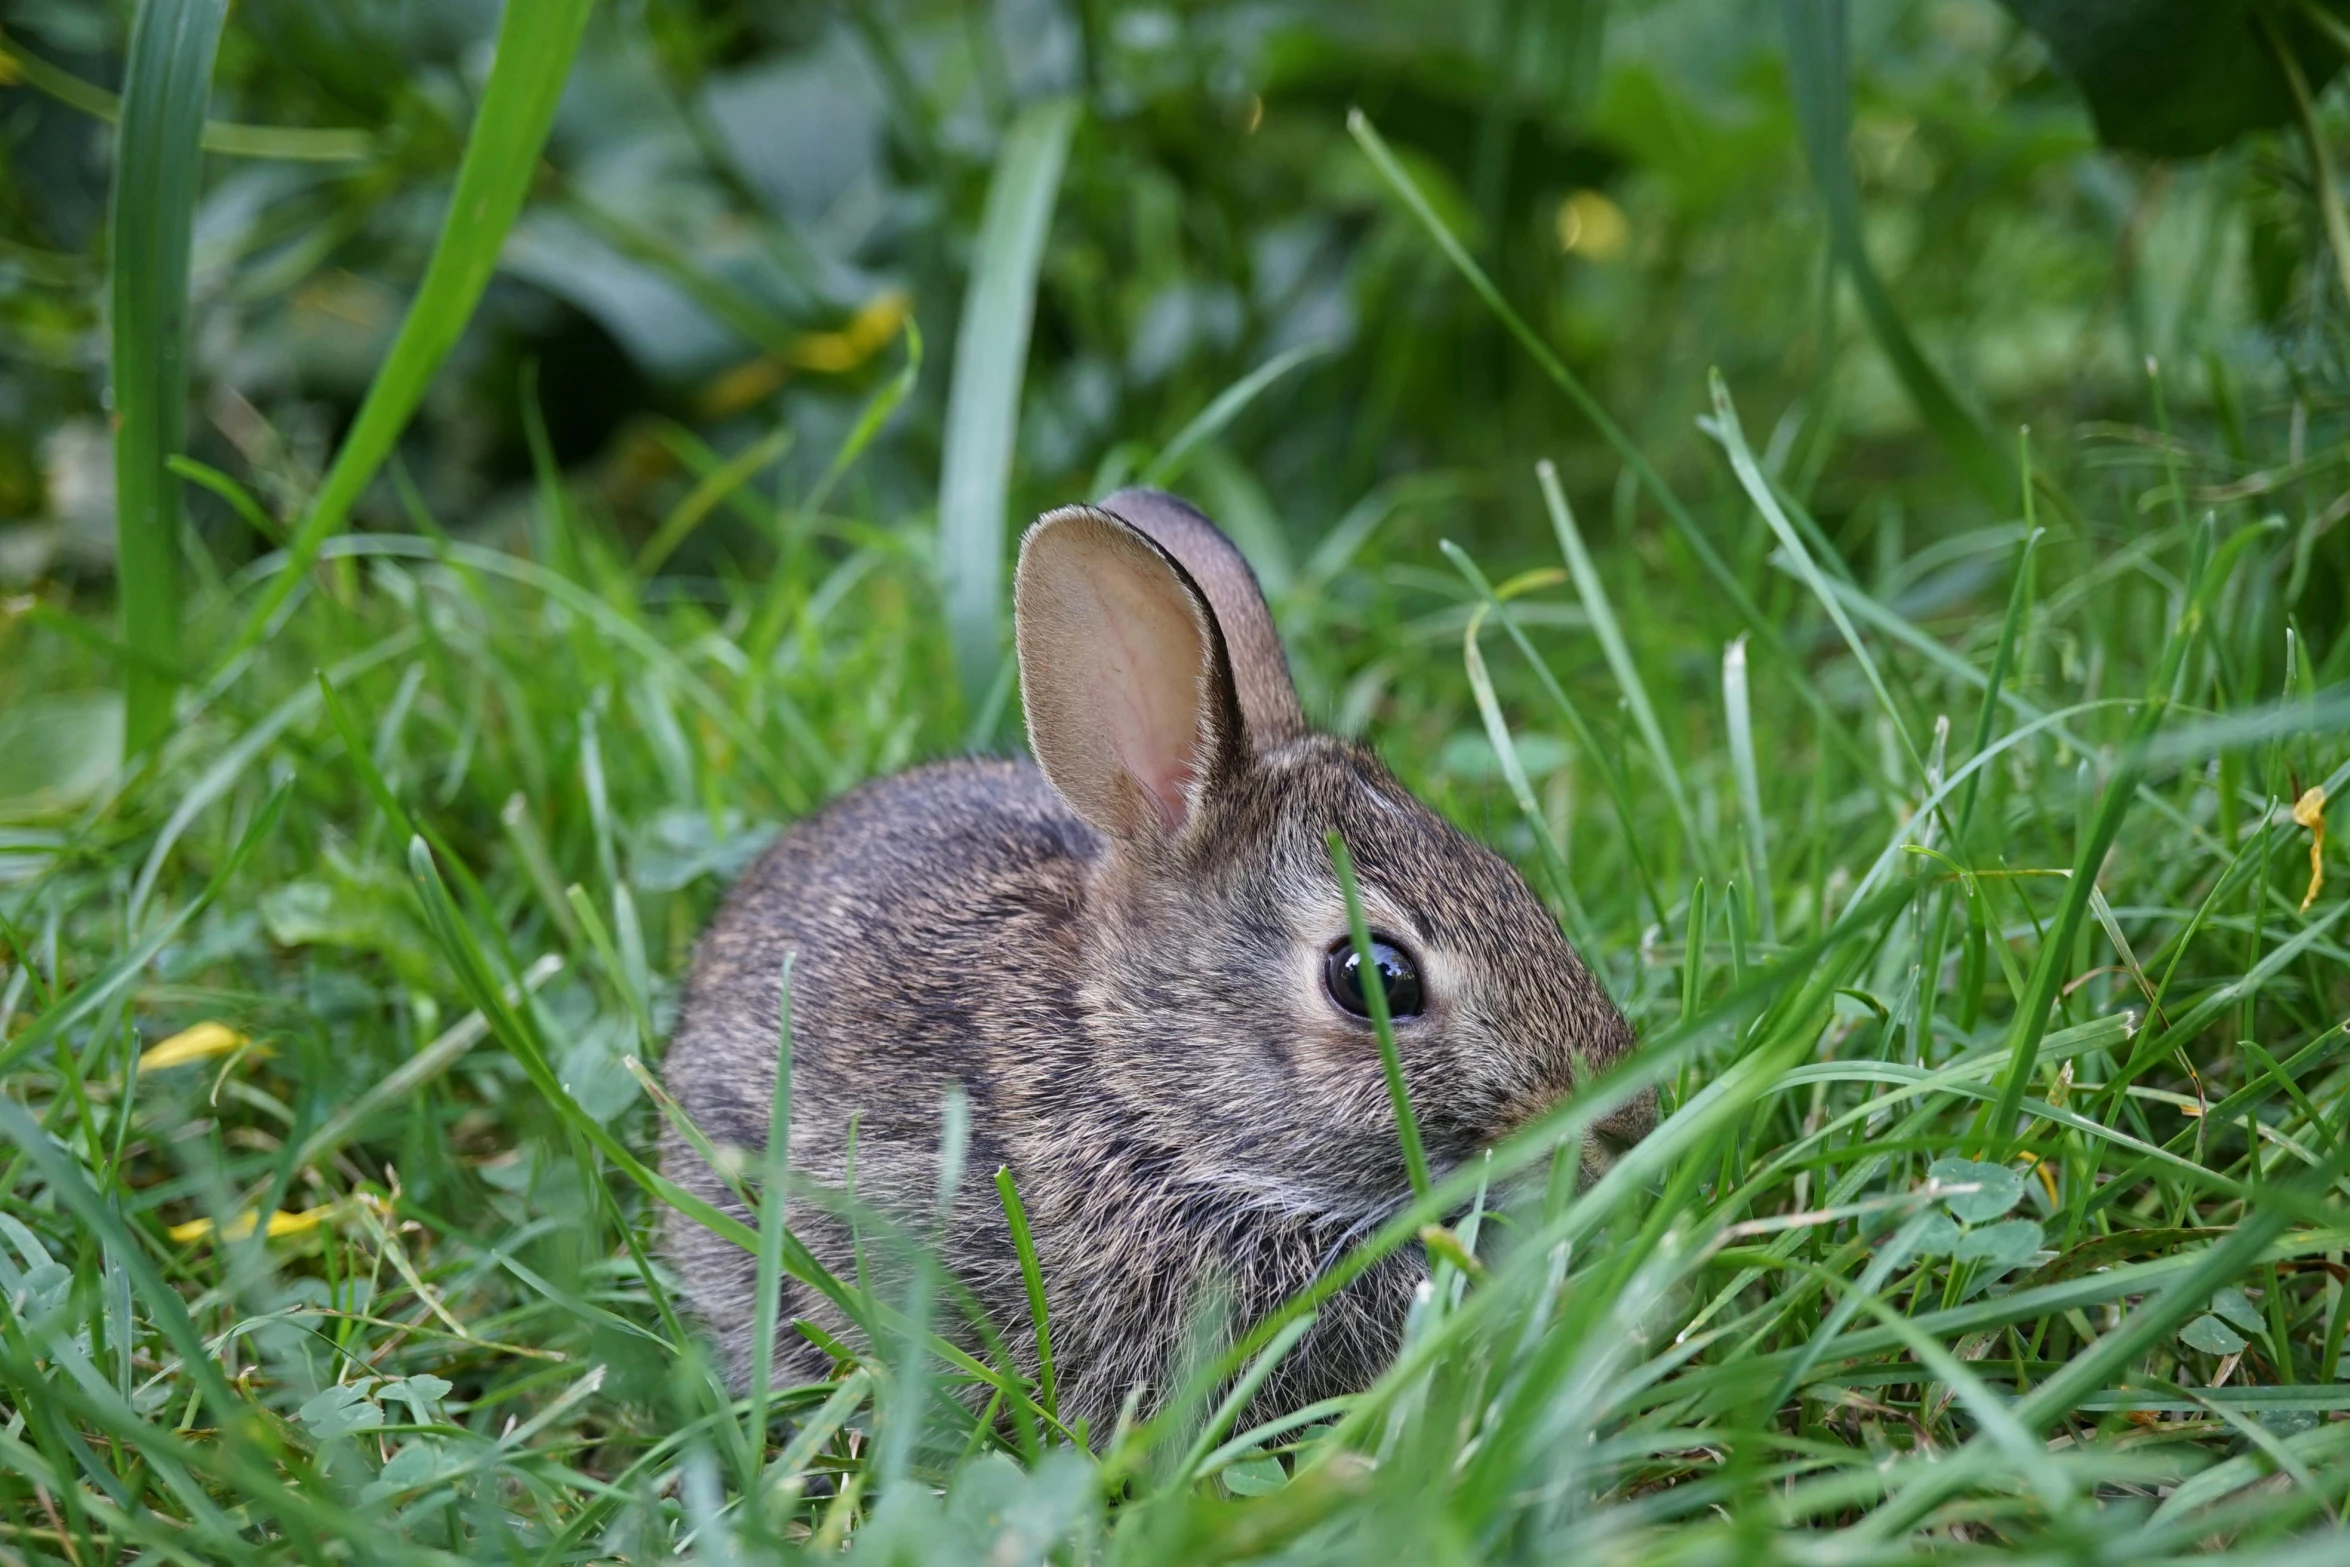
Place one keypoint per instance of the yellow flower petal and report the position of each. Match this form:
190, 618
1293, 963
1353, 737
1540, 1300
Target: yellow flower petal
874, 324
866, 334
742, 386
284, 1223
280, 1223
200, 1043
2310, 812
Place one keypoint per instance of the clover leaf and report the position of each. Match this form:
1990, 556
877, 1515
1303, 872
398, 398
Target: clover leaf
1998, 1187
2231, 1304
341, 1410
1999, 1247
2212, 1336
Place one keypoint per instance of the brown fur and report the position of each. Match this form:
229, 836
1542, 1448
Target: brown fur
1139, 1023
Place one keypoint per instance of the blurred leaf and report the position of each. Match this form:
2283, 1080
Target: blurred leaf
594, 1069
42, 1285
2231, 1304
58, 751
1819, 71
158, 164
340, 1410
307, 912
536, 41
419, 1392
2178, 77
1939, 1236
2211, 1336
421, 1460
1255, 1476
983, 405
2002, 1188
1999, 1247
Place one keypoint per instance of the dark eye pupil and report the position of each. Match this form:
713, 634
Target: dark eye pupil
1342, 974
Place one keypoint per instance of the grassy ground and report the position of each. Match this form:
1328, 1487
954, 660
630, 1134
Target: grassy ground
1956, 855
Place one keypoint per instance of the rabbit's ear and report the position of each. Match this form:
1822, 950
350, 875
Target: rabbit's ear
1128, 689
1260, 670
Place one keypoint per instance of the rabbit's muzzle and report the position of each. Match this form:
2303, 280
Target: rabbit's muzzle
1615, 1134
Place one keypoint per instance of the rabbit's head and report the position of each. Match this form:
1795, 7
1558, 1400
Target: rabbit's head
1227, 1003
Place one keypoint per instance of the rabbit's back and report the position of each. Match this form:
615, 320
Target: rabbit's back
933, 921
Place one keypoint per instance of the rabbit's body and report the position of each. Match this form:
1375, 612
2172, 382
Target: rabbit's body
1121, 961
961, 961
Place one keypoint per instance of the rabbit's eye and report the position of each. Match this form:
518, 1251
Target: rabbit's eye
1342, 976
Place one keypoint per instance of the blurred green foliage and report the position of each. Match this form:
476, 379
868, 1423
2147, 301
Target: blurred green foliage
730, 185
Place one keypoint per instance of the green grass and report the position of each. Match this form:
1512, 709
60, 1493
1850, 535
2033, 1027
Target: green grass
1943, 851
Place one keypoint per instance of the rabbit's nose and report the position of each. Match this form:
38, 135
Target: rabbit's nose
1614, 1135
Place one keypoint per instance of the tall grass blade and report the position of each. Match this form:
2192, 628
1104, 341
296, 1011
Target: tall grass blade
1407, 1128
1819, 76
536, 42
2037, 1004
1758, 489
1593, 592
1032, 1276
690, 513
1619, 791
1521, 787
774, 1172
152, 223
1383, 159
2011, 630
1738, 721
290, 143
1229, 405
983, 402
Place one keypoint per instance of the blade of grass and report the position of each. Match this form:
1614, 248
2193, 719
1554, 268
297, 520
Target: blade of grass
768, 627
1175, 457
689, 513
775, 1171
94, 994
151, 225
1032, 1276
1819, 78
1513, 772
901, 1426
2011, 628
1407, 1128
1618, 790
1384, 161
2321, 165
1267, 1362
983, 403
622, 629
536, 42
419, 1069
2036, 1007
1738, 720
290, 143
239, 499
1758, 489
1610, 635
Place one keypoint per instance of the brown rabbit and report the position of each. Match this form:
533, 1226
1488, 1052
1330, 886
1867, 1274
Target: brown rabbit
1133, 957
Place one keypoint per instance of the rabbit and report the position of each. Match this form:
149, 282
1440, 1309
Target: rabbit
1133, 956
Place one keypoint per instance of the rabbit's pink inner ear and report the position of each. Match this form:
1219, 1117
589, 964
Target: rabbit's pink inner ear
1147, 693
1113, 658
